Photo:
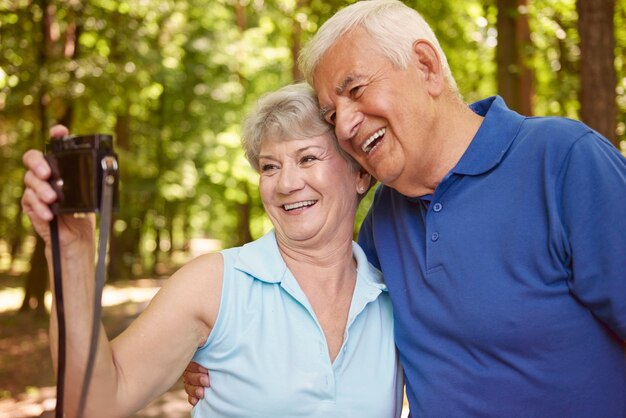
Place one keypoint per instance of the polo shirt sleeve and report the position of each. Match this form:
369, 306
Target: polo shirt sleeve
592, 203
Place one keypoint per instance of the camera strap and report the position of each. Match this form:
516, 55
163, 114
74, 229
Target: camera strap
109, 174
58, 297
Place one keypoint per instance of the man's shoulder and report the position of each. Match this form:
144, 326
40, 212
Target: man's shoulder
554, 137
555, 130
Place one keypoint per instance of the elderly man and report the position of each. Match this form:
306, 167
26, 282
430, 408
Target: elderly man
502, 238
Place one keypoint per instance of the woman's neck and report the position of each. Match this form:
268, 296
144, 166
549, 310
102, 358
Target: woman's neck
323, 265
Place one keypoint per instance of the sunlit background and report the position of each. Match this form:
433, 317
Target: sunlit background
171, 80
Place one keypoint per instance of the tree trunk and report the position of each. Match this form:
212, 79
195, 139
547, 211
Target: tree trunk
514, 76
296, 42
598, 79
37, 277
119, 264
244, 234
36, 281
526, 88
17, 236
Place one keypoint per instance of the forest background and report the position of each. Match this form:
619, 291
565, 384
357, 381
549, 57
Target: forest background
171, 80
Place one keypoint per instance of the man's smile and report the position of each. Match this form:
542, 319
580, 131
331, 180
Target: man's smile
372, 141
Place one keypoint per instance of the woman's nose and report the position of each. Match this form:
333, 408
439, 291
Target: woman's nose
290, 179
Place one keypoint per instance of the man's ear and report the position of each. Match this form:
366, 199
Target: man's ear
428, 62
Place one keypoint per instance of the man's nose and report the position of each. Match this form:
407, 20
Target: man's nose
347, 120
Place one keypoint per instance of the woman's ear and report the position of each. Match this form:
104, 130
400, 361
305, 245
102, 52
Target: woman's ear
428, 62
364, 182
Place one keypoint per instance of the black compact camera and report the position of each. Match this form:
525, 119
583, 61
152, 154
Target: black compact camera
79, 166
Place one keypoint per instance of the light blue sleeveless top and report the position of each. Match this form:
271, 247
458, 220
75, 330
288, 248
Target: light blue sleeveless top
267, 354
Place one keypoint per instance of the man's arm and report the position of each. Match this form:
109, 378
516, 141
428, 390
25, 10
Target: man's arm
195, 378
592, 186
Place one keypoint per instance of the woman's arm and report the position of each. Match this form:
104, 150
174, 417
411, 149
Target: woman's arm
146, 359
153, 352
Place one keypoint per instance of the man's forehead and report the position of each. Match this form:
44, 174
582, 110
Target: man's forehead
334, 77
340, 52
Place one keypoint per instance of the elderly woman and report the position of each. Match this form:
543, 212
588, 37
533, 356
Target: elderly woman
295, 324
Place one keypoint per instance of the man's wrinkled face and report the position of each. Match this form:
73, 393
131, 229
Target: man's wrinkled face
380, 112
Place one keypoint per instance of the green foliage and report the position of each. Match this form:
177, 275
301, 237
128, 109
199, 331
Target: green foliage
555, 56
173, 79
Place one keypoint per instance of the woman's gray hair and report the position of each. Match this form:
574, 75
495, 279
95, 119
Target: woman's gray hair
393, 26
291, 112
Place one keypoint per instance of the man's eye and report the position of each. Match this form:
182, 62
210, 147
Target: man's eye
355, 91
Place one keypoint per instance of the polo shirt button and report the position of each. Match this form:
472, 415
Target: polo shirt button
437, 207
434, 236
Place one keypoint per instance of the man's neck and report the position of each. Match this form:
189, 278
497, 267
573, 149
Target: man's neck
456, 128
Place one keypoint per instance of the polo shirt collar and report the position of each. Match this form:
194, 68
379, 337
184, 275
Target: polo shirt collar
262, 260
494, 137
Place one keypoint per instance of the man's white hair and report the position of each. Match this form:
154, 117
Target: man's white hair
393, 26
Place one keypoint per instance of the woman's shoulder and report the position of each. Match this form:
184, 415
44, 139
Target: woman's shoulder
206, 265
199, 284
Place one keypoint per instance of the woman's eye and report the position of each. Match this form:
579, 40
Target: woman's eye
331, 117
308, 158
268, 167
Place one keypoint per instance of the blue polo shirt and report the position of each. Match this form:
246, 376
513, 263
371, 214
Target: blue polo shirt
508, 284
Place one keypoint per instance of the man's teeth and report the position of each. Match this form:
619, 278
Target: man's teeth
366, 147
297, 205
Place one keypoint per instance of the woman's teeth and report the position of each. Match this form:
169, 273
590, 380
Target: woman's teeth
297, 205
